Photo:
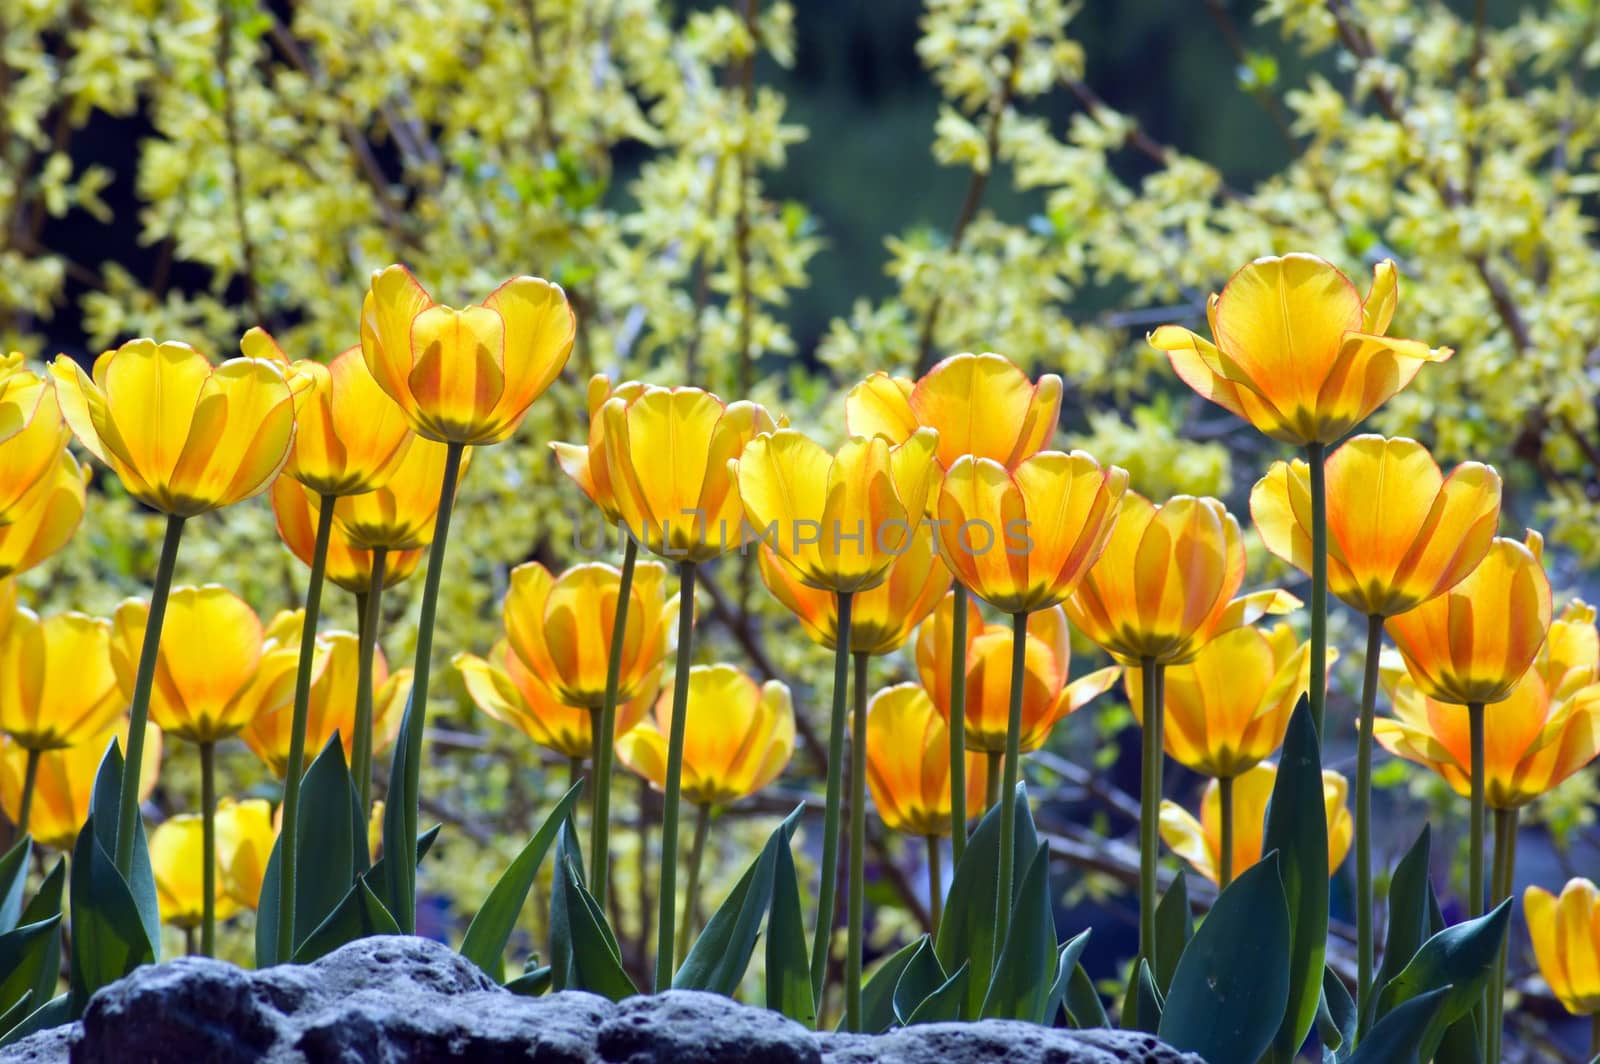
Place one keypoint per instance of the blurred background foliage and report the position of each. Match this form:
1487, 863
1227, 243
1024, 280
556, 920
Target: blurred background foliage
774, 199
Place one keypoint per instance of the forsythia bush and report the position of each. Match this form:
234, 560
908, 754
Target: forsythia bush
319, 504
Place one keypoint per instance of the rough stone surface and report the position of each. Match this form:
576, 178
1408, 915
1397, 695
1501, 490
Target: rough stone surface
398, 1000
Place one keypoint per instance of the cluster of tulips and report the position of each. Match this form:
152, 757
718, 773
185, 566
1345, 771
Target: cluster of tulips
943, 495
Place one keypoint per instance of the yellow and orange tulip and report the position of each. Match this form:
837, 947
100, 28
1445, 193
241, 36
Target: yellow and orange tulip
1228, 707
44, 521
32, 435
585, 463
57, 686
182, 435
983, 405
178, 863
245, 835
908, 762
66, 781
840, 520
737, 738
1399, 530
1474, 642
295, 511
465, 376
667, 455
1021, 539
1164, 587
1566, 941
400, 515
1200, 841
1296, 351
1047, 696
217, 669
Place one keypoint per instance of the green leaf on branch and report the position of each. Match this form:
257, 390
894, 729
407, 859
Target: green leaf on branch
1174, 929
1232, 984
490, 930
1297, 827
1460, 958
1025, 973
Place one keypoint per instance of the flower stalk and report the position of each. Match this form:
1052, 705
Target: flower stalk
1364, 914
1316, 454
605, 737
827, 888
1505, 865
30, 779
958, 727
1149, 805
370, 605
1225, 858
858, 837
691, 894
208, 850
668, 898
1013, 768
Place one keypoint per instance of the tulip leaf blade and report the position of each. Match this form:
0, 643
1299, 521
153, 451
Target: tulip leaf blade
1082, 1001
788, 956
377, 875
1142, 1007
1297, 827
108, 932
595, 955
922, 976
563, 964
531, 983
359, 914
719, 957
1409, 922
944, 1004
1066, 964
53, 1013
398, 886
877, 993
105, 805
1461, 958
966, 932
1025, 972
1232, 984
23, 952
1336, 1014
490, 930
39, 978
13, 882
1400, 1036
1174, 929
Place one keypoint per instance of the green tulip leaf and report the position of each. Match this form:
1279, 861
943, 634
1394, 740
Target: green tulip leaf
563, 963
1232, 984
14, 882
1336, 1014
595, 954
398, 886
1142, 1011
53, 1013
531, 984
1174, 929
105, 806
359, 914
1461, 958
33, 980
1025, 973
922, 976
944, 1004
877, 992
1066, 965
1409, 925
1084, 1008
1402, 1034
788, 955
108, 932
378, 875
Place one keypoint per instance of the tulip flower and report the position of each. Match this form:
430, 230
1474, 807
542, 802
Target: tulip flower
667, 459
44, 520
1399, 533
838, 522
462, 377
222, 434
244, 672
1164, 587
32, 434
57, 687
738, 738
245, 835
188, 885
1202, 842
585, 463
296, 512
1565, 931
64, 782
908, 771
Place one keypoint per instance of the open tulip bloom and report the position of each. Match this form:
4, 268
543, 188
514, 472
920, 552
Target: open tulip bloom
1565, 930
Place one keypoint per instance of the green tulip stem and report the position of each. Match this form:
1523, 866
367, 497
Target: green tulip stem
691, 894
1594, 1035
935, 887
667, 901
1364, 912
139, 706
1008, 789
1476, 824
855, 939
370, 605
1315, 458
191, 943
30, 779
1505, 867
1150, 804
1225, 863
411, 787
828, 886
958, 725
574, 777
606, 738
208, 850
289, 844
991, 779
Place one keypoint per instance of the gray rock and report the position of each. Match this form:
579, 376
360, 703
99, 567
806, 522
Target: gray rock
397, 1000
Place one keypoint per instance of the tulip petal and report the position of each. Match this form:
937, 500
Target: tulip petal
1281, 322
539, 330
239, 438
881, 406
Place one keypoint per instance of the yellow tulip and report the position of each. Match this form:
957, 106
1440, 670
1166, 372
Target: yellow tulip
908, 762
881, 618
837, 521
57, 686
1566, 940
1021, 539
182, 435
66, 781
217, 668
503, 687
349, 436
1200, 841
469, 375
1165, 585
586, 463
1046, 695
400, 515
982, 405
245, 834
1570, 657
667, 455
45, 520
1474, 642
32, 435
1296, 351
737, 737
1399, 530
176, 859
1228, 708
332, 707
295, 511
